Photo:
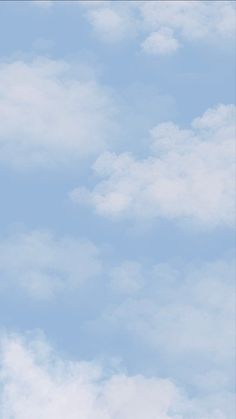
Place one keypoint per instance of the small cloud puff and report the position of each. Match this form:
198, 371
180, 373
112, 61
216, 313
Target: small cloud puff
160, 42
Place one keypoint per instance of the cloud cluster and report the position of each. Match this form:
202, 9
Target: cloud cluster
182, 317
175, 318
37, 384
43, 265
189, 174
165, 24
49, 116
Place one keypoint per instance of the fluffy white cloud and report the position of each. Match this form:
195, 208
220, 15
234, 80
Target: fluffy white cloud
43, 265
189, 174
34, 386
186, 21
37, 384
160, 42
111, 26
111, 22
48, 116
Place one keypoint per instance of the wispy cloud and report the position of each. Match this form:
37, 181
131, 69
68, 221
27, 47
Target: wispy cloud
42, 265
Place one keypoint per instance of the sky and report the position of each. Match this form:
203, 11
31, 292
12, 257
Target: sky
117, 227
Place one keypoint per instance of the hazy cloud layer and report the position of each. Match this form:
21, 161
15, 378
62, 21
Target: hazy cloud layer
43, 265
176, 308
49, 117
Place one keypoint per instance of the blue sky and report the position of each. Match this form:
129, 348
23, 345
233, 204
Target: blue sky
117, 163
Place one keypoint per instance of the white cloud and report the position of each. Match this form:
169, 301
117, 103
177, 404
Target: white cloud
43, 265
189, 174
203, 21
160, 42
110, 25
60, 389
49, 117
37, 384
